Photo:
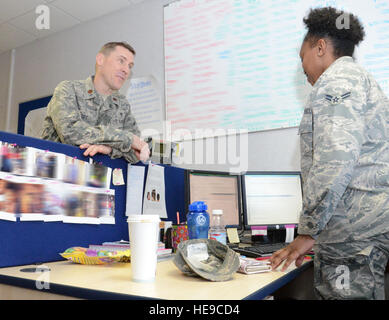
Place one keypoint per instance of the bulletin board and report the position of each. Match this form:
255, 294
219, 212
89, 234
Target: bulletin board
29, 242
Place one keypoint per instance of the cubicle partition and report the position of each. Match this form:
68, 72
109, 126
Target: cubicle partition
30, 242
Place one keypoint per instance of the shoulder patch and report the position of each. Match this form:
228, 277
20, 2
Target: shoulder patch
337, 99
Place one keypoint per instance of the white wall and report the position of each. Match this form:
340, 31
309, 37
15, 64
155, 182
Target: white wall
42, 64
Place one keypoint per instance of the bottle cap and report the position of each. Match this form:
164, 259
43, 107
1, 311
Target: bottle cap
217, 212
198, 206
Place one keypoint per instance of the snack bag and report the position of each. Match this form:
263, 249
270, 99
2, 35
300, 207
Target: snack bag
89, 256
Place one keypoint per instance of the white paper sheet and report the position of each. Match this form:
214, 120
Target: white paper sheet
7, 216
289, 235
154, 196
31, 217
81, 220
134, 196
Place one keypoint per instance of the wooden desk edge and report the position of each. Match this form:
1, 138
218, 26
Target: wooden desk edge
92, 294
278, 283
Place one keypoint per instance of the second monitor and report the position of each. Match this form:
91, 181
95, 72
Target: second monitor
271, 198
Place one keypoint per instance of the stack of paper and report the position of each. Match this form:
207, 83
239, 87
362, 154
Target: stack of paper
250, 266
163, 252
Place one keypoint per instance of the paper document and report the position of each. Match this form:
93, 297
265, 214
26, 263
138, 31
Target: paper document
289, 233
251, 266
154, 197
135, 178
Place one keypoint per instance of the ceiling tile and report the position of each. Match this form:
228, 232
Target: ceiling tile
11, 8
11, 37
59, 21
88, 9
17, 17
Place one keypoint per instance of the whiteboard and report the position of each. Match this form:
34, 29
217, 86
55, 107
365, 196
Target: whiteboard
234, 64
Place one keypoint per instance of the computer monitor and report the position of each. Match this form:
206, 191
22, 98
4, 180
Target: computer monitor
272, 199
219, 190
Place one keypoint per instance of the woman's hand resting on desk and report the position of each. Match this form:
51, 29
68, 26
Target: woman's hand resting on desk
295, 251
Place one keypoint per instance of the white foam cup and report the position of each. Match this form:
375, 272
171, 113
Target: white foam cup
143, 231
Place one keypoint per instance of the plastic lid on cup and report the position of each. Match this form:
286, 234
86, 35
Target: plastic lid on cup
143, 218
217, 212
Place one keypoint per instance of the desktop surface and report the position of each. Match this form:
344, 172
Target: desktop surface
113, 281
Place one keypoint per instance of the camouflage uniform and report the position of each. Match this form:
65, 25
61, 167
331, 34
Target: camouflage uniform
78, 114
344, 140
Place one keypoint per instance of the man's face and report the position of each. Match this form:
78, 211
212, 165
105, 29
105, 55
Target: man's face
310, 61
116, 67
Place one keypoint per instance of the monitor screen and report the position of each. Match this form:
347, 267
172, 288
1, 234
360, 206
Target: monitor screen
219, 190
271, 198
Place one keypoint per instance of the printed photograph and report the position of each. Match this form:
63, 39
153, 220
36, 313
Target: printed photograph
98, 176
106, 205
73, 203
46, 164
89, 204
75, 171
21, 197
13, 159
53, 199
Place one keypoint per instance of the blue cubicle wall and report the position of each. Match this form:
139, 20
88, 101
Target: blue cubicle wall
26, 107
30, 242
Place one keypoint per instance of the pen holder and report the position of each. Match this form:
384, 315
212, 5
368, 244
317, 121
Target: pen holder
180, 234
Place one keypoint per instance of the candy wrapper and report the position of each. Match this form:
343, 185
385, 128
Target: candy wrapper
89, 256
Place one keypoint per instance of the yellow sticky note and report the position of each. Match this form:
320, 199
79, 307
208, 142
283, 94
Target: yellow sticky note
232, 234
117, 177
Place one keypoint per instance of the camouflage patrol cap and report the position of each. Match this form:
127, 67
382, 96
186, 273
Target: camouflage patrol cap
206, 258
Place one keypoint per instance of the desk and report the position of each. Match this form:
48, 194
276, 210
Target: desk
113, 281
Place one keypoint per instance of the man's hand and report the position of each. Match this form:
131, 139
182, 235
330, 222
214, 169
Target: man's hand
144, 154
141, 148
296, 250
92, 149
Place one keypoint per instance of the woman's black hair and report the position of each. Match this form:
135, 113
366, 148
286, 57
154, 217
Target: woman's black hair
343, 29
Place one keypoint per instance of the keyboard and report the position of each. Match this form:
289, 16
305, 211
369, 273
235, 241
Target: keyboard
259, 250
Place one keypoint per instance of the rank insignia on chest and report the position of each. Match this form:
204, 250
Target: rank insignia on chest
337, 99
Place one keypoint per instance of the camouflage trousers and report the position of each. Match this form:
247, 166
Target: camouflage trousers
352, 270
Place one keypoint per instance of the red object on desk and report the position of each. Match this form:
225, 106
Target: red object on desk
263, 258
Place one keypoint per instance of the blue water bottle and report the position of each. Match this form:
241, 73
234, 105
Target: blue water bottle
198, 220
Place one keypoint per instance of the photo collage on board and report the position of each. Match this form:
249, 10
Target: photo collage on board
39, 185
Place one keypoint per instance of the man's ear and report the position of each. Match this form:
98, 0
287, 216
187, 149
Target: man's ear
100, 59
